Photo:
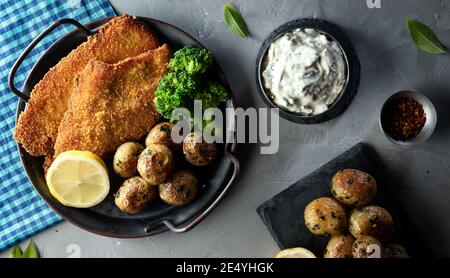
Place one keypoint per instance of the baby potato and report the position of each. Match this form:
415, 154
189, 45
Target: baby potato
325, 216
180, 189
367, 247
125, 159
371, 221
353, 187
339, 246
161, 134
135, 195
155, 163
395, 251
198, 152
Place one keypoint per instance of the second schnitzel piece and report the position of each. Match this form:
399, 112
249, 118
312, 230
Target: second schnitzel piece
112, 104
123, 37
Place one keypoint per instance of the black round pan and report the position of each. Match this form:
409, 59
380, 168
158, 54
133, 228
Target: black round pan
105, 218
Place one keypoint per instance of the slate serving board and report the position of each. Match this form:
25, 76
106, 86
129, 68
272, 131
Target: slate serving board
283, 214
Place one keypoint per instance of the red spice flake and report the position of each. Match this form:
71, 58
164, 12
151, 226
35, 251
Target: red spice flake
403, 118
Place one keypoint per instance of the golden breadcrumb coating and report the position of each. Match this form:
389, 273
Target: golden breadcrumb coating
37, 127
112, 104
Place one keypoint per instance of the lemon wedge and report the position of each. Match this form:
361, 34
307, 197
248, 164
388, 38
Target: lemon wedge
294, 253
78, 179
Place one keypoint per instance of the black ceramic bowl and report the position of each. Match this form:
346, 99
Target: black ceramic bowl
106, 218
334, 33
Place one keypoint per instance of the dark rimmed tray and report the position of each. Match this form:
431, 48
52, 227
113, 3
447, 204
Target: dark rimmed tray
105, 218
283, 214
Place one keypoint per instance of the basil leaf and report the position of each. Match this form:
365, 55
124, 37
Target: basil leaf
16, 252
31, 252
235, 21
424, 37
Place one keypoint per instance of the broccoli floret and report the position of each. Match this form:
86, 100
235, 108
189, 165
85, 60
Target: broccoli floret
174, 90
182, 84
212, 94
191, 59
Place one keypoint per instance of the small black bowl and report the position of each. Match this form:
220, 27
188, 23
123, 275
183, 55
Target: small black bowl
353, 69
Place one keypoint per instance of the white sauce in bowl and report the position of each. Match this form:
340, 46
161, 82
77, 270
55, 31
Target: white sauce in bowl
305, 71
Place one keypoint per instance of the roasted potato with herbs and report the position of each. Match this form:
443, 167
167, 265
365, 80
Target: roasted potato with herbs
197, 151
395, 251
353, 187
367, 247
126, 158
371, 221
339, 246
135, 195
180, 189
325, 216
162, 134
155, 163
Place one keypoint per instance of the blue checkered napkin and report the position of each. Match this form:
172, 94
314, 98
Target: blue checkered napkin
22, 212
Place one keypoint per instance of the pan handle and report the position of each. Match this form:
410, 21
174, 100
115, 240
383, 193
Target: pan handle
30, 47
198, 218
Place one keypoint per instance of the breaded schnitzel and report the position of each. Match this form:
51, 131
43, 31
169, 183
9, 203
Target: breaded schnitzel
37, 127
112, 104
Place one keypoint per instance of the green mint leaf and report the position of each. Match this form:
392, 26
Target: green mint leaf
31, 252
235, 21
16, 252
424, 37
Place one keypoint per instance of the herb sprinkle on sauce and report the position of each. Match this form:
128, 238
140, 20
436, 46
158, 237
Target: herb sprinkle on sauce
305, 71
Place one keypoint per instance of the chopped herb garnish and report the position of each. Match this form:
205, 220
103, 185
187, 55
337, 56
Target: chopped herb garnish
165, 128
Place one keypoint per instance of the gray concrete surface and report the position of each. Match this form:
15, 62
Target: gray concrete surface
390, 62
